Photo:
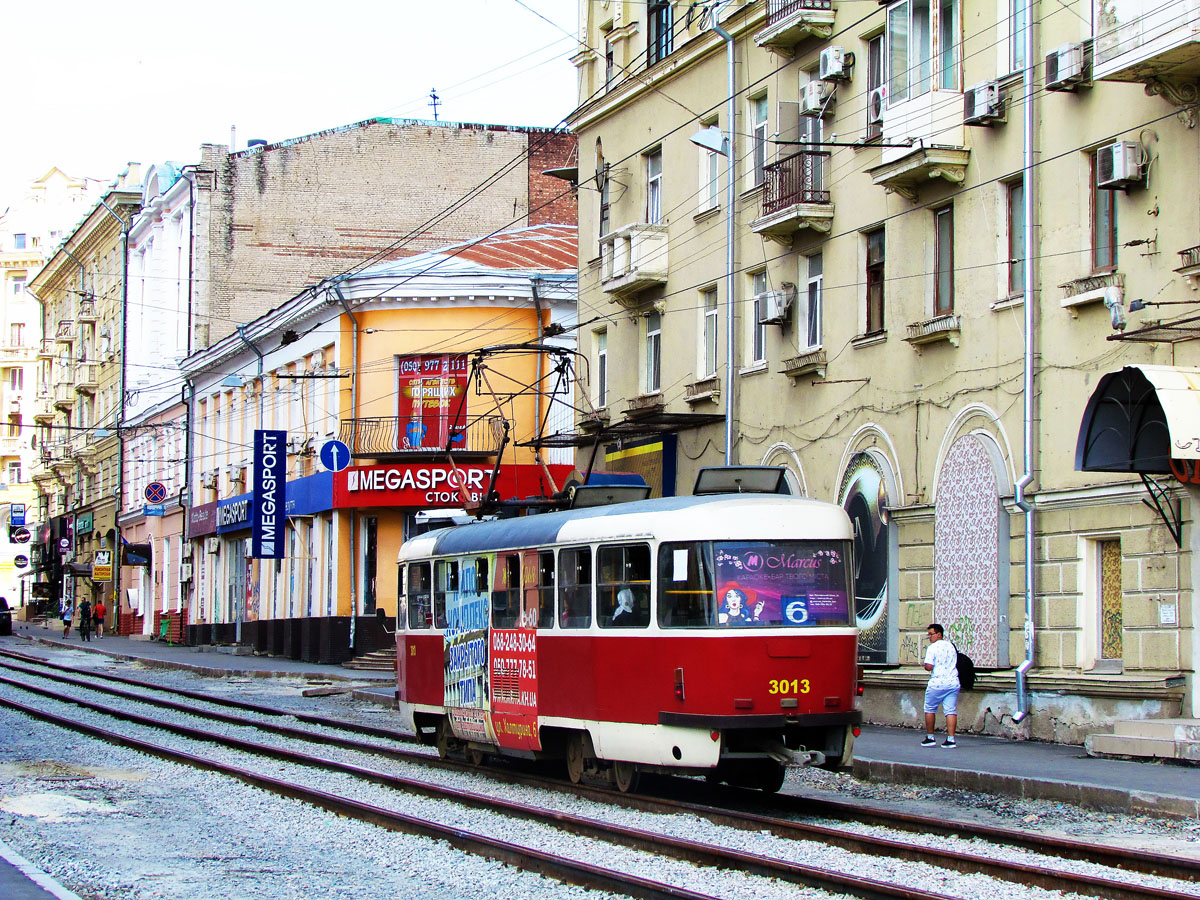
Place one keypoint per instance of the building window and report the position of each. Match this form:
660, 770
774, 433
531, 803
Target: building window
758, 331
18, 285
874, 80
1112, 624
16, 332
18, 242
602, 368
14, 424
875, 259
812, 317
605, 224
13, 468
1104, 224
660, 39
758, 137
708, 352
1016, 35
610, 63
653, 353
1014, 199
943, 286
916, 62
654, 165
16, 378
710, 167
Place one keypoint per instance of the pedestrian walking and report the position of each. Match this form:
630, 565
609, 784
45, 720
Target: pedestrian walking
941, 662
85, 620
98, 613
67, 612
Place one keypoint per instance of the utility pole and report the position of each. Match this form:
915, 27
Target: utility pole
434, 100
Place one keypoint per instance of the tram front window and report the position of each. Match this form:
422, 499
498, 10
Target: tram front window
788, 584
420, 611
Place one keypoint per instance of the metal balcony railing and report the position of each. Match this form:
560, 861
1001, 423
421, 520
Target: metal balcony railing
779, 10
87, 310
1190, 257
395, 436
65, 332
799, 178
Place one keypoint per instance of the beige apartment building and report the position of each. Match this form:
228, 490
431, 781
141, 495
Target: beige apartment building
977, 383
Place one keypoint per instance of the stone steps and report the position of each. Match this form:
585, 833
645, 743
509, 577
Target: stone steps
378, 661
1173, 739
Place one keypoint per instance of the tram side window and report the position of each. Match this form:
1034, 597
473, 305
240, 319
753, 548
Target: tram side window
420, 612
575, 587
506, 595
623, 586
685, 585
546, 589
445, 585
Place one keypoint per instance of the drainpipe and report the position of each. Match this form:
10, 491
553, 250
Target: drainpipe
730, 199
1023, 503
341, 298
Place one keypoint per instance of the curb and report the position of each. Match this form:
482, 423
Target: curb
1093, 796
209, 671
42, 879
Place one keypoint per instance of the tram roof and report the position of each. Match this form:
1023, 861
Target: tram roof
737, 516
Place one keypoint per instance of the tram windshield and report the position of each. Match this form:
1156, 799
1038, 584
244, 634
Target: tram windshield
786, 584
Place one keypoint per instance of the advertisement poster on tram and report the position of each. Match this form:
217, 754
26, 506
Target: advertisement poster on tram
465, 656
788, 583
514, 687
432, 404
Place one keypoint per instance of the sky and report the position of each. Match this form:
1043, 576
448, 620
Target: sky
91, 86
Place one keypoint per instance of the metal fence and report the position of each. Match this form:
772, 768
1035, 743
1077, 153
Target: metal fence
392, 435
799, 178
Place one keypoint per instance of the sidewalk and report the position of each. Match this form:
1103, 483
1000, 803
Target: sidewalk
1030, 769
210, 661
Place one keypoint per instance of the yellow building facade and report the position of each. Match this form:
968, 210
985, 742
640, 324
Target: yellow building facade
866, 301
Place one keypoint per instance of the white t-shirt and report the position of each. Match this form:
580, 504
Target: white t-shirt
944, 659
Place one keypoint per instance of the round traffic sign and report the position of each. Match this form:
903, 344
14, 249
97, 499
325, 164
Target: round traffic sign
20, 561
335, 456
156, 492
19, 535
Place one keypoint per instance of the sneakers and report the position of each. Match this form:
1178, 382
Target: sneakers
949, 744
929, 741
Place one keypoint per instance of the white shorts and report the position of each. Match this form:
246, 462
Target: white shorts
946, 697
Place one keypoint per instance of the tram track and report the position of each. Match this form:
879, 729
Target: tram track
690, 851
739, 808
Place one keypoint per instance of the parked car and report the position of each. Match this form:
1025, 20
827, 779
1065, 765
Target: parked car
5, 618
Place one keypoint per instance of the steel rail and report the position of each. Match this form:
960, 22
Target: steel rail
1022, 873
1113, 857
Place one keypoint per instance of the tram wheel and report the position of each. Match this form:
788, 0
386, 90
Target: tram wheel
771, 778
625, 776
475, 756
446, 742
576, 758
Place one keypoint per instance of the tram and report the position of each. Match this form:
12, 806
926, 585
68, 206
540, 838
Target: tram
708, 635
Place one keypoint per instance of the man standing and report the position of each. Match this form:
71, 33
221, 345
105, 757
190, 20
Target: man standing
941, 661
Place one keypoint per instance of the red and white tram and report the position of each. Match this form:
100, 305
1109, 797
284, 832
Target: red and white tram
707, 635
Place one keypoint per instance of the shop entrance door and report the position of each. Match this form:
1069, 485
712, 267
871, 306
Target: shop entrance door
370, 562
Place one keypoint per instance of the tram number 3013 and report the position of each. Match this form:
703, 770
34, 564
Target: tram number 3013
788, 686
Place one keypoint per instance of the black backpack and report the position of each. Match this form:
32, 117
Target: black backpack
966, 671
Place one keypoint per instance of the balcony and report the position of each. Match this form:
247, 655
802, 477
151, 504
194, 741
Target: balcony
791, 21
43, 406
699, 391
644, 406
65, 332
64, 396
87, 311
633, 259
1190, 270
795, 196
940, 328
425, 436
13, 446
88, 456
1149, 41
811, 363
87, 377
46, 349
908, 174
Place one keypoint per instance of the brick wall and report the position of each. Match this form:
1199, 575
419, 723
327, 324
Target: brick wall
288, 215
551, 200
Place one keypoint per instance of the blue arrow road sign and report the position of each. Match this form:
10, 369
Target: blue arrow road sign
335, 456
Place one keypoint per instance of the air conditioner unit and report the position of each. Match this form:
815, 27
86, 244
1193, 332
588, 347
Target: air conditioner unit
300, 444
775, 305
836, 64
185, 550
185, 571
212, 545
237, 474
876, 104
815, 99
1066, 67
983, 104
1119, 165
209, 479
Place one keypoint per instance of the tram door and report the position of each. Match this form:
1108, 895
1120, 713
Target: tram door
513, 651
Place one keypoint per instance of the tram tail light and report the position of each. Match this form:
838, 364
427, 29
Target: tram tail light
679, 685
860, 686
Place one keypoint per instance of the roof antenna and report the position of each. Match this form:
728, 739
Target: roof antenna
434, 100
